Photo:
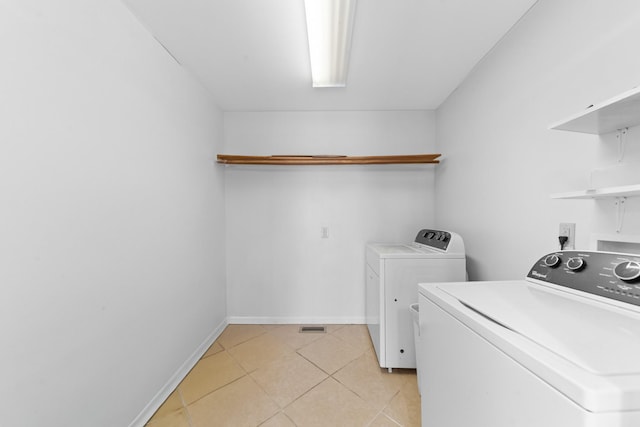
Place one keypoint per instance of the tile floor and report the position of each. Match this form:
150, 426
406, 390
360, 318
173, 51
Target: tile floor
272, 375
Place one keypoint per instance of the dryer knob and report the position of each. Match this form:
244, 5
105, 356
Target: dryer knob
576, 263
552, 261
627, 271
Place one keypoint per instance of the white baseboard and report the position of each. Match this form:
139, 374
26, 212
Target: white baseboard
254, 320
175, 379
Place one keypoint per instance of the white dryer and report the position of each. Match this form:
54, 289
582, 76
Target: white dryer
560, 348
393, 273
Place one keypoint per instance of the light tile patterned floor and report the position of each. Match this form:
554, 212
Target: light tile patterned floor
272, 375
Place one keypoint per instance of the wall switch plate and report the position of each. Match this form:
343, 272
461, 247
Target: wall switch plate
568, 229
324, 232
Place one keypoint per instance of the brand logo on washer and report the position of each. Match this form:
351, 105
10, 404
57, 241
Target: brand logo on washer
538, 275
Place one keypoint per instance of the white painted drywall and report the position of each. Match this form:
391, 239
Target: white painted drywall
503, 161
279, 269
111, 218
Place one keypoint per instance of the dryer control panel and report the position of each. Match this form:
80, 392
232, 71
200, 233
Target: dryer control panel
608, 274
434, 238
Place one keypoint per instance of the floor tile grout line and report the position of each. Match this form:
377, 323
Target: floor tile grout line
289, 418
266, 394
393, 420
303, 394
217, 389
288, 404
359, 397
185, 407
311, 361
246, 372
292, 350
387, 405
264, 331
353, 391
341, 367
381, 411
275, 415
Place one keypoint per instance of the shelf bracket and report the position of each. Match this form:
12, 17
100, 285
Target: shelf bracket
621, 136
620, 201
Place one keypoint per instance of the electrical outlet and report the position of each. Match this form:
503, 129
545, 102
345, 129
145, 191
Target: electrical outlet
324, 232
568, 229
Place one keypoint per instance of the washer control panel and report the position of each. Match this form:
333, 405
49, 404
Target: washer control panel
608, 274
434, 238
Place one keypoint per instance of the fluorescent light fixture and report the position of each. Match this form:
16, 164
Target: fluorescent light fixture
329, 28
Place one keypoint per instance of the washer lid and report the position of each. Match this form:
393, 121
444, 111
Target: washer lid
598, 337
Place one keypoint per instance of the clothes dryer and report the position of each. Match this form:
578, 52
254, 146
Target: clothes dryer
393, 273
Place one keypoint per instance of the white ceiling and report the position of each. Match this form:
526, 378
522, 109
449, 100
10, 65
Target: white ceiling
253, 54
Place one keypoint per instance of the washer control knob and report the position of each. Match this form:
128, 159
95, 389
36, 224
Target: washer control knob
627, 270
576, 263
552, 261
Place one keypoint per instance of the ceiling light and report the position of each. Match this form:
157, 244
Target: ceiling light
329, 28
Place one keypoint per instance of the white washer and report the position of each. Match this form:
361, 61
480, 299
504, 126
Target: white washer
560, 348
393, 273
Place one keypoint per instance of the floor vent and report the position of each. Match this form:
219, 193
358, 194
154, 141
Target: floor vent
312, 329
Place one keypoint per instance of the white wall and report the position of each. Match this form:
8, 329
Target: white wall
503, 161
279, 269
111, 226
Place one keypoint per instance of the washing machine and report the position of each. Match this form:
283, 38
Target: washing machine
393, 272
560, 348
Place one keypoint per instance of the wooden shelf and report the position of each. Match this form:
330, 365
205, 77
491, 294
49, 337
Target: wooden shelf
616, 113
230, 159
601, 193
